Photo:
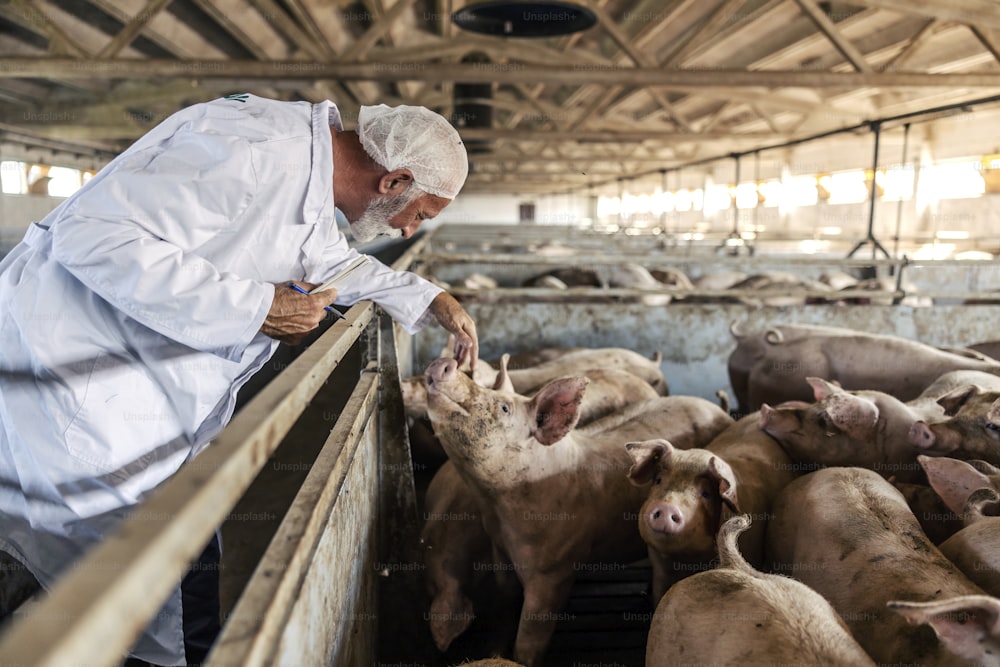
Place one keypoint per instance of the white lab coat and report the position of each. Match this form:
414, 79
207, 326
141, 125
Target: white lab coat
130, 317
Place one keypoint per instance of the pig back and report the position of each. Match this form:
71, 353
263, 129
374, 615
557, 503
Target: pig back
975, 550
850, 536
686, 421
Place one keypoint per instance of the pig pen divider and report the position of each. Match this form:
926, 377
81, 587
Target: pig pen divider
314, 598
694, 338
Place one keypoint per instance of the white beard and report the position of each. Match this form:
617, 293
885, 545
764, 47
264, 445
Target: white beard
374, 222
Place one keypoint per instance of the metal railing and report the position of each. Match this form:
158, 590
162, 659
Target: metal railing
98, 609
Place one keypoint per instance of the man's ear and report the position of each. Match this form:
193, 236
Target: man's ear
395, 182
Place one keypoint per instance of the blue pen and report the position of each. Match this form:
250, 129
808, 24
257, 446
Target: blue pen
329, 309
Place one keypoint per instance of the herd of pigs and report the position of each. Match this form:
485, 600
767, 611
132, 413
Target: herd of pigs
772, 288
847, 513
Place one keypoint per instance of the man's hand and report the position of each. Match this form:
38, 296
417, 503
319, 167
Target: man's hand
453, 317
293, 315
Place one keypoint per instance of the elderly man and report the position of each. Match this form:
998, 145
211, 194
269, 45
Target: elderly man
133, 313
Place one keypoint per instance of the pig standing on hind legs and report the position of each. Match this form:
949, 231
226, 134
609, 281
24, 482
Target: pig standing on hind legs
552, 497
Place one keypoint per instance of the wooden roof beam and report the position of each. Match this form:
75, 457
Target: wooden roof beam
828, 28
132, 29
681, 79
982, 13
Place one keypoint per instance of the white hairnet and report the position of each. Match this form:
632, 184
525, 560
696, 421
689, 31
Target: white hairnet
415, 138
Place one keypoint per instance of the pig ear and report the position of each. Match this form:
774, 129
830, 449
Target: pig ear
774, 421
822, 388
720, 470
556, 409
953, 401
503, 382
852, 414
964, 624
982, 503
953, 480
646, 458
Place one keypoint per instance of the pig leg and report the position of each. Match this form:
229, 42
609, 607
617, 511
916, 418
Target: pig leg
545, 596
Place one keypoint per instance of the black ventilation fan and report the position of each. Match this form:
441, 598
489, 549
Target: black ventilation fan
509, 18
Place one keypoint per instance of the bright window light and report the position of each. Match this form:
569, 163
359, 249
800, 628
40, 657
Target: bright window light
800, 191
746, 195
642, 204
698, 199
897, 183
664, 202
934, 251
772, 192
955, 180
64, 181
684, 201
848, 187
12, 178
717, 198
608, 206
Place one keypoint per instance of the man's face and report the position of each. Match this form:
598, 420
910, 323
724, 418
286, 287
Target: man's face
392, 216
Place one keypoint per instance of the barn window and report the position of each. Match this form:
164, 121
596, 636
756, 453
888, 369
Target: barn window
13, 178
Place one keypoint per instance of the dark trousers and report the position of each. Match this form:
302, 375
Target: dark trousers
199, 600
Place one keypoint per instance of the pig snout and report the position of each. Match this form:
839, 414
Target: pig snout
921, 435
665, 518
440, 370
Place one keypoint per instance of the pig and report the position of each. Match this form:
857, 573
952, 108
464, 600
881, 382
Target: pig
787, 283
838, 280
607, 392
551, 496
479, 281
719, 280
990, 348
955, 480
888, 287
868, 429
966, 625
972, 430
771, 366
736, 615
525, 379
454, 543
694, 490
850, 536
570, 276
674, 278
606, 358
633, 276
936, 519
975, 549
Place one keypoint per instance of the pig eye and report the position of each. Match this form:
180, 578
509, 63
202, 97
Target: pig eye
505, 408
990, 426
705, 493
658, 480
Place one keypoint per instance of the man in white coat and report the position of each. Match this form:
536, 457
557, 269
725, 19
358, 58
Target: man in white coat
133, 313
